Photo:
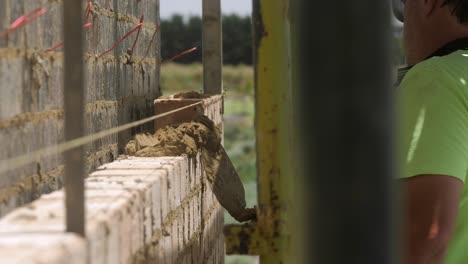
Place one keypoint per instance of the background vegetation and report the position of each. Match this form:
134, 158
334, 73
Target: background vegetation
180, 33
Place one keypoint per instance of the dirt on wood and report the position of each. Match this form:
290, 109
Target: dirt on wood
191, 138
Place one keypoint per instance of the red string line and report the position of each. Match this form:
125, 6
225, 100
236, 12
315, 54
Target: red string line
89, 7
23, 20
151, 43
138, 34
60, 44
122, 39
27, 18
181, 54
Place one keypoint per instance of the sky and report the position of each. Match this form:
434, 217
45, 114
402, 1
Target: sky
194, 7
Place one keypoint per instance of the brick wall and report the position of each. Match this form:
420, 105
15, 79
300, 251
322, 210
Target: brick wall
119, 89
139, 210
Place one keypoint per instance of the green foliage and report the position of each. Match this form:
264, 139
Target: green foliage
179, 34
237, 40
177, 78
238, 80
239, 135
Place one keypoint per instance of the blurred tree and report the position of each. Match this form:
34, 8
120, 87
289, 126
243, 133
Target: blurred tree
179, 34
237, 40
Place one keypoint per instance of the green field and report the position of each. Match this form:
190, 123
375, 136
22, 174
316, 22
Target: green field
189, 77
239, 132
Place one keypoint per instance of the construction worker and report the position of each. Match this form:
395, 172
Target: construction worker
433, 105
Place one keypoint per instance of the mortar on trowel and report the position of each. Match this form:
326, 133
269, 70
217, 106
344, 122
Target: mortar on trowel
191, 132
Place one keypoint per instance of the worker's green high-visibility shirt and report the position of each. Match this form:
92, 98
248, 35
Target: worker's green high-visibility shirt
433, 107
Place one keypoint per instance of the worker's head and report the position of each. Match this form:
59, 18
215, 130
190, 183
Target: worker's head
432, 23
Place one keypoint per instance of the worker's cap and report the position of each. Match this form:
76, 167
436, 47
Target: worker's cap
398, 7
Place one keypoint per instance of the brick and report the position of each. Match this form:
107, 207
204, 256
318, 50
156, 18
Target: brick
174, 239
186, 225
42, 248
184, 180
168, 251
10, 99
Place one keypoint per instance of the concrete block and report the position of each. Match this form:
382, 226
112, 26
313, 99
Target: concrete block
4, 24
33, 80
177, 176
186, 225
156, 205
192, 227
164, 198
50, 248
11, 98
174, 239
180, 231
184, 180
169, 257
170, 183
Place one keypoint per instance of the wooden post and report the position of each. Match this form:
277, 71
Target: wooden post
212, 47
74, 109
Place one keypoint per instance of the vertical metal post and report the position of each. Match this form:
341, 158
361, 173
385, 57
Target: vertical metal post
347, 115
74, 109
212, 47
274, 112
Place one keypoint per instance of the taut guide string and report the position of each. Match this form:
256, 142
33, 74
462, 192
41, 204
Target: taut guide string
35, 156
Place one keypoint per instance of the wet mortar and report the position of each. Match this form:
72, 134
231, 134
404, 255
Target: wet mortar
199, 136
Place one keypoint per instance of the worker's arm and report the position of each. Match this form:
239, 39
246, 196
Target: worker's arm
431, 205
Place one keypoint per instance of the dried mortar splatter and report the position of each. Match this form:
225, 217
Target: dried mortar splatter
199, 136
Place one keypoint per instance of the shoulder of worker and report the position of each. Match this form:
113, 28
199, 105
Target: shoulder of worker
449, 72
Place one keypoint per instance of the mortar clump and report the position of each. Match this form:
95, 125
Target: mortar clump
186, 95
183, 139
202, 136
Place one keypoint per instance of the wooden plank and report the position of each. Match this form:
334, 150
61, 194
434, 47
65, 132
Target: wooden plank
212, 47
74, 109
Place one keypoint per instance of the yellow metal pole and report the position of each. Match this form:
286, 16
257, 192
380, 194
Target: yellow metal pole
276, 236
274, 123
